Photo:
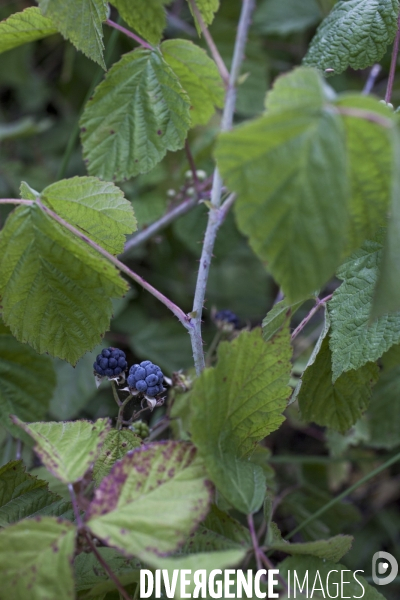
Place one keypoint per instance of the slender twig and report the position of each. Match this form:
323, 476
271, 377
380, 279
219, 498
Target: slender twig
192, 165
254, 541
344, 494
169, 217
75, 506
16, 201
107, 568
129, 34
214, 217
161, 426
18, 450
183, 318
115, 393
372, 117
210, 43
121, 411
373, 74
312, 312
393, 63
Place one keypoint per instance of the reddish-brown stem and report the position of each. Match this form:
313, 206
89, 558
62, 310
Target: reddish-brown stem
254, 540
393, 63
223, 71
312, 312
183, 318
107, 568
129, 34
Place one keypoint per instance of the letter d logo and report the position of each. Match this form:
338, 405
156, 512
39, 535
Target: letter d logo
382, 567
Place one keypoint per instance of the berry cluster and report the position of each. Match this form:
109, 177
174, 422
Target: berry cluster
110, 363
146, 378
227, 316
140, 429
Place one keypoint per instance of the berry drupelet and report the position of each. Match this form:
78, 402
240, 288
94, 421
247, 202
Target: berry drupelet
110, 363
146, 378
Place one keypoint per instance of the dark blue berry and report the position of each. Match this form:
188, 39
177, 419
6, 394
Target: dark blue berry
227, 316
146, 378
110, 363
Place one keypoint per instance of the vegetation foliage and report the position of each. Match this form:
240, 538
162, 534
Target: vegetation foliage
211, 186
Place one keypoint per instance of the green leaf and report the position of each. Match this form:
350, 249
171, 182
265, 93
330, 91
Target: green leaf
207, 9
151, 500
355, 34
369, 152
331, 549
336, 405
67, 449
22, 495
302, 89
36, 559
136, 114
80, 22
236, 404
316, 572
291, 215
279, 317
55, 289
23, 27
354, 340
199, 77
148, 18
387, 290
383, 414
27, 381
283, 18
98, 208
116, 445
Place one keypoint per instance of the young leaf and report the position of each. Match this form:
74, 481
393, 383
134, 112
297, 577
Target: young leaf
98, 208
236, 404
148, 18
22, 495
354, 340
36, 559
116, 445
207, 10
288, 170
67, 449
56, 291
336, 405
136, 114
199, 77
279, 317
369, 151
151, 500
355, 34
319, 573
80, 22
23, 27
331, 549
273, 17
27, 381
